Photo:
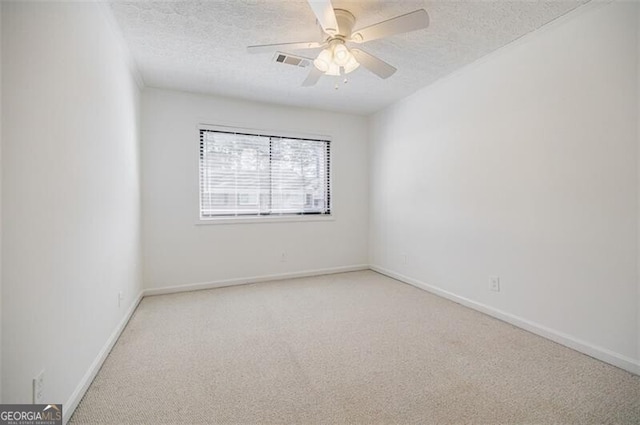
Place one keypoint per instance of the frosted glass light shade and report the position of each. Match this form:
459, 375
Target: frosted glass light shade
341, 55
334, 69
351, 65
323, 61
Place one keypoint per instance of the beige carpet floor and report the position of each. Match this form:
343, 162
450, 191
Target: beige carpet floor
347, 348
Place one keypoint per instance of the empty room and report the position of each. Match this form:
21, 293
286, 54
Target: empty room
320, 212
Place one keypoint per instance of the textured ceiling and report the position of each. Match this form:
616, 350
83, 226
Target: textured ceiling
200, 46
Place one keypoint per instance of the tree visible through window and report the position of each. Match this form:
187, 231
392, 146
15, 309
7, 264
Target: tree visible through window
260, 175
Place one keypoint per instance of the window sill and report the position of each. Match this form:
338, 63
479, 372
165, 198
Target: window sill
268, 219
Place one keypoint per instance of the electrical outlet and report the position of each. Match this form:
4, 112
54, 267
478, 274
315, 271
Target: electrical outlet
495, 284
283, 257
38, 388
403, 258
120, 298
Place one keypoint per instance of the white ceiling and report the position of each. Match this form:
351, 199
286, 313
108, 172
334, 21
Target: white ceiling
200, 46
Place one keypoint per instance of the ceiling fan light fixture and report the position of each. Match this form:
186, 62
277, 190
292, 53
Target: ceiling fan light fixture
351, 65
341, 54
324, 60
336, 27
334, 69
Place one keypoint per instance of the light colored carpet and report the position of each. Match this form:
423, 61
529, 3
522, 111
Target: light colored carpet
346, 348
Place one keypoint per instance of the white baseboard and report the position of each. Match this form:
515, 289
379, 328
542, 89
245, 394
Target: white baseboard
255, 279
70, 406
599, 353
584, 347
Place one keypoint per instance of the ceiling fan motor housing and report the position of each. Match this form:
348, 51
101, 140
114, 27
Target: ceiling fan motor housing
346, 21
337, 30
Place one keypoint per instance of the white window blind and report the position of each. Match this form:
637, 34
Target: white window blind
260, 175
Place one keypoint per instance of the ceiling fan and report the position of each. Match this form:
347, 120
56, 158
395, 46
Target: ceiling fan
337, 58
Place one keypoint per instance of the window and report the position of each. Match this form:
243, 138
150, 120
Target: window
244, 174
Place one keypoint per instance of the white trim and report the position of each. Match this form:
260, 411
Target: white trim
584, 347
266, 219
254, 279
227, 127
86, 381
70, 406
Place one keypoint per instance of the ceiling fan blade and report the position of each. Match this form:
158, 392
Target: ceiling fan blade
262, 48
373, 64
405, 23
313, 77
325, 15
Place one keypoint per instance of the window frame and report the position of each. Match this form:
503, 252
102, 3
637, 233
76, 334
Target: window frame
264, 218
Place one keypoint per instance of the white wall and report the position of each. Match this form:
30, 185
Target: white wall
524, 166
177, 251
70, 193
